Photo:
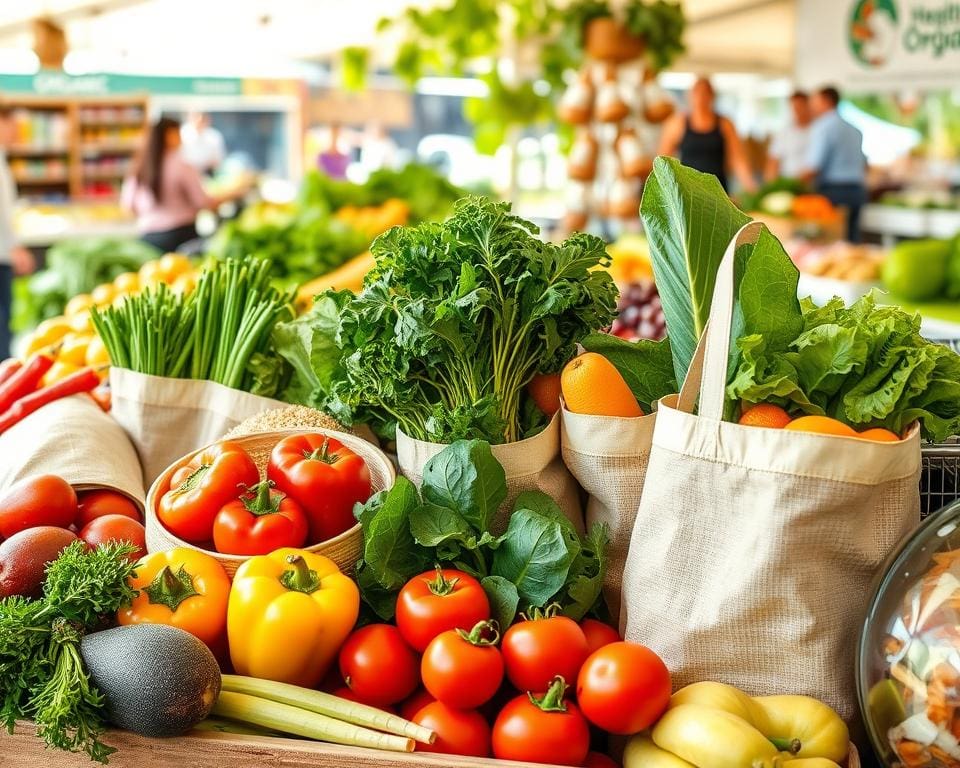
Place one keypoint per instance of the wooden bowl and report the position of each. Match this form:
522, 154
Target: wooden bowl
344, 549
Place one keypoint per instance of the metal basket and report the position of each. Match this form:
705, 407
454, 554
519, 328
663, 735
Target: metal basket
940, 475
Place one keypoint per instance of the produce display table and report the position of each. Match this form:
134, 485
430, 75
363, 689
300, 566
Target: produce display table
212, 750
892, 222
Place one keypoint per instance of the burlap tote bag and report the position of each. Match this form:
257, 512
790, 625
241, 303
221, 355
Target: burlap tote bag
754, 549
608, 456
169, 418
75, 439
533, 464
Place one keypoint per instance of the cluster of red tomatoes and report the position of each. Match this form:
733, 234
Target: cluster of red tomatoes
312, 484
542, 692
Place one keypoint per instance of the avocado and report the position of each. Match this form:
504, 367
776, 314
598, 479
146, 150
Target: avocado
158, 680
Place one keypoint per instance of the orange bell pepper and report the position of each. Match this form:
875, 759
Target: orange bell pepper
182, 588
289, 613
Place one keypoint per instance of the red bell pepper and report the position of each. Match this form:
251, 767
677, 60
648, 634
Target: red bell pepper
325, 477
200, 489
259, 522
81, 381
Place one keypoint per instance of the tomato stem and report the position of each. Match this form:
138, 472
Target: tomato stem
484, 633
171, 589
552, 700
322, 453
261, 499
440, 586
300, 578
535, 613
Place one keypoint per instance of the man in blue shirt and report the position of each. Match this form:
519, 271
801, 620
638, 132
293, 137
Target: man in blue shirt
835, 160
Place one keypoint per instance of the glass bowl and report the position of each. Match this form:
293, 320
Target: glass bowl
908, 670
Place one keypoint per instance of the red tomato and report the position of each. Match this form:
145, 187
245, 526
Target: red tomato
459, 731
412, 705
103, 530
378, 665
94, 504
623, 688
537, 650
463, 669
598, 760
436, 601
259, 522
345, 693
38, 500
598, 634
325, 477
187, 510
543, 730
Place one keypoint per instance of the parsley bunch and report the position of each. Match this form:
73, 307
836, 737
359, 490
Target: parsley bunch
458, 317
42, 676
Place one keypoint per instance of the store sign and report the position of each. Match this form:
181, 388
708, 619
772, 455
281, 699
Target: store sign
878, 45
57, 84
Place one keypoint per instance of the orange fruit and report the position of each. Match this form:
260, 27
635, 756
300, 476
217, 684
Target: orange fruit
765, 415
592, 385
823, 425
544, 388
880, 435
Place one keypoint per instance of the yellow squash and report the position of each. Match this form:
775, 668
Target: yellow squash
713, 738
289, 613
641, 752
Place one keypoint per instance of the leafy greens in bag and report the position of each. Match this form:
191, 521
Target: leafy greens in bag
540, 559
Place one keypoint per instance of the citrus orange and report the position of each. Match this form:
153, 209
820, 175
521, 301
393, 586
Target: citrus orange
592, 385
880, 435
765, 415
544, 388
823, 425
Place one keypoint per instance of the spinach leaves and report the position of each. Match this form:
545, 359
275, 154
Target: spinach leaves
456, 318
539, 560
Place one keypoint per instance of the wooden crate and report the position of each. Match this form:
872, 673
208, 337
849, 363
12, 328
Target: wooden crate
224, 750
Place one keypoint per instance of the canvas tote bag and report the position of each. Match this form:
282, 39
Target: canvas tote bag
533, 464
608, 456
75, 439
754, 549
169, 418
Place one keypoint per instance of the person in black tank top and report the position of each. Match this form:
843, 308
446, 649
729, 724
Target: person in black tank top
707, 142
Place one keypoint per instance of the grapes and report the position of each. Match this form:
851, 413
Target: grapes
640, 313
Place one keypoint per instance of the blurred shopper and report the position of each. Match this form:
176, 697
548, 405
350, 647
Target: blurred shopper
332, 160
835, 159
787, 156
14, 258
203, 145
707, 141
165, 192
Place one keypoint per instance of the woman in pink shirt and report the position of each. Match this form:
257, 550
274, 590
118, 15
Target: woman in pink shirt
165, 192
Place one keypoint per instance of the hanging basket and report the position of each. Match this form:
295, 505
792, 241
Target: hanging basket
606, 39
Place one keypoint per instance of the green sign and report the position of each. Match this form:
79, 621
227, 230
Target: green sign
54, 84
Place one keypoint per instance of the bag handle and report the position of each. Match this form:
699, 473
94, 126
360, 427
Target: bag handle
707, 375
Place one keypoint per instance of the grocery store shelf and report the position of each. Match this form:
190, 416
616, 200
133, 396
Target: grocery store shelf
36, 150
109, 147
114, 229
111, 123
52, 178
892, 222
108, 173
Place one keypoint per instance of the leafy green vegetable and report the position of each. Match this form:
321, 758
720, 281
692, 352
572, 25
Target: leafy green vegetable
456, 318
540, 559
866, 365
41, 673
75, 267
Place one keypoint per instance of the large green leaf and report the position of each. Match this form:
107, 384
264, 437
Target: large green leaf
689, 221
645, 365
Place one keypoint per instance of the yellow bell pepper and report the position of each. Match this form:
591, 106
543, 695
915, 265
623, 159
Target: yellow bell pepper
641, 752
711, 725
289, 613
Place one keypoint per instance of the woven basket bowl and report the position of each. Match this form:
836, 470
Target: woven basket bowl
344, 549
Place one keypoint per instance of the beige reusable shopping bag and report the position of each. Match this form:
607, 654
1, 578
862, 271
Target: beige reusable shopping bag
754, 549
75, 439
608, 457
169, 418
533, 464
